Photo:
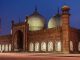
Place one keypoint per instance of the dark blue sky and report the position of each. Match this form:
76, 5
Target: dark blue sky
13, 9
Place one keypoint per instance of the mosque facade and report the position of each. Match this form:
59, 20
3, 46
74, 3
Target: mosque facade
31, 36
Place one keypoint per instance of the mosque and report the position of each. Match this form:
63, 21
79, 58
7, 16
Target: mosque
31, 35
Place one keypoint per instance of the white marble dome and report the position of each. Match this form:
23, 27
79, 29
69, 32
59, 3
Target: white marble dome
52, 23
36, 22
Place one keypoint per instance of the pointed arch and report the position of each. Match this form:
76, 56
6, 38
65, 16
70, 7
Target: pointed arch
50, 46
31, 47
6, 47
9, 47
43, 46
3, 47
79, 46
58, 46
37, 46
71, 46
0, 47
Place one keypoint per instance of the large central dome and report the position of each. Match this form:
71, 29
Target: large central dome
36, 21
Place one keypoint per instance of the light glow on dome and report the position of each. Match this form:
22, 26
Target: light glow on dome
52, 23
35, 23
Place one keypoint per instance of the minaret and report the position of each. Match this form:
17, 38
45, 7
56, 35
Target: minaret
12, 24
65, 17
26, 33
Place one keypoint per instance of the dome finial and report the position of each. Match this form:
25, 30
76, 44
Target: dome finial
57, 14
57, 6
58, 10
35, 8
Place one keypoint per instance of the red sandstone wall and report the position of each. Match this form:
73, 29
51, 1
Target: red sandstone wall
6, 39
44, 35
74, 37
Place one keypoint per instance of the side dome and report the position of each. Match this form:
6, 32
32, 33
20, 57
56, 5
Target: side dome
36, 22
55, 21
52, 23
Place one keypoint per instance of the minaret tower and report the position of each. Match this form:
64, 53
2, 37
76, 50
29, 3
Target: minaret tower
65, 17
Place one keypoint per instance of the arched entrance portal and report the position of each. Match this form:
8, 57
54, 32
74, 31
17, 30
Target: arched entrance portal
20, 40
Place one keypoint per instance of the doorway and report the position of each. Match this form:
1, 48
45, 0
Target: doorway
20, 40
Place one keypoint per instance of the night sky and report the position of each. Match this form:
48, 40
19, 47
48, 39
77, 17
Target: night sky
13, 9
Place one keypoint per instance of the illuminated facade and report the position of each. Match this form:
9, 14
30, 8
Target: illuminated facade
32, 36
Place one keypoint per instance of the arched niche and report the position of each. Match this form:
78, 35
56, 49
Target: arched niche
31, 46
37, 46
58, 46
71, 46
50, 46
43, 46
